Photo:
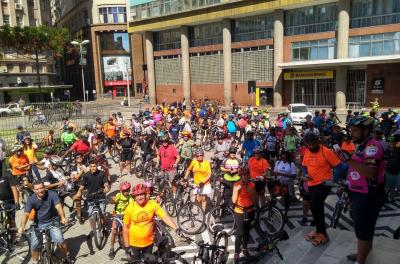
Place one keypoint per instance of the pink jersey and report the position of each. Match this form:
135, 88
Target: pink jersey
370, 154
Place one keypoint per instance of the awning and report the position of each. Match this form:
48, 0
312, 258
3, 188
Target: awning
340, 62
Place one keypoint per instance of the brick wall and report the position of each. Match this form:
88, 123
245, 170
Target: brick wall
169, 92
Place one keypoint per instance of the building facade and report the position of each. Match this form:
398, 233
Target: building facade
18, 71
108, 55
322, 53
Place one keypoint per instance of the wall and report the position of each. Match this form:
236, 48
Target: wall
240, 93
213, 91
391, 75
138, 58
167, 92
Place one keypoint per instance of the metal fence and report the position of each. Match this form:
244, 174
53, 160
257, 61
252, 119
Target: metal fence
39, 118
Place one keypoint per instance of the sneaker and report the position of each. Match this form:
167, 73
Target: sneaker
111, 255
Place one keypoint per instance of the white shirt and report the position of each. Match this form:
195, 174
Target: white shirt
314, 130
285, 167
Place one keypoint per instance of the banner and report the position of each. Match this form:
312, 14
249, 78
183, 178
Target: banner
115, 68
303, 75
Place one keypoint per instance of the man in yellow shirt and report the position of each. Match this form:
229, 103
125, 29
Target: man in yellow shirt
201, 173
139, 225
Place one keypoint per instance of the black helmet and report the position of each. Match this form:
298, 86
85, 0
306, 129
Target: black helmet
199, 151
362, 122
310, 138
232, 150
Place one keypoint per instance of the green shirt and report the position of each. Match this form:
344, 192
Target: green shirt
187, 149
290, 143
68, 138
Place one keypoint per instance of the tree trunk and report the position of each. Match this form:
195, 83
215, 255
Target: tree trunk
41, 97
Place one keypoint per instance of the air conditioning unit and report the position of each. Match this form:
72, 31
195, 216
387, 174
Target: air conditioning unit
5, 70
19, 7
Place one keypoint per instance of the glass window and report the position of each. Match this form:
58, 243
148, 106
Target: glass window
112, 14
207, 34
6, 20
114, 43
304, 53
167, 39
374, 45
365, 49
259, 27
366, 13
377, 48
314, 50
22, 68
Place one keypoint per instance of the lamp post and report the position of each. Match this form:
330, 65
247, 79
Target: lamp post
82, 62
128, 74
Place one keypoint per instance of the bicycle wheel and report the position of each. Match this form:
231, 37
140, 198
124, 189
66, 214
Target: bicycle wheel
191, 218
35, 124
176, 258
221, 216
115, 154
270, 219
220, 256
97, 231
336, 215
161, 232
138, 167
45, 257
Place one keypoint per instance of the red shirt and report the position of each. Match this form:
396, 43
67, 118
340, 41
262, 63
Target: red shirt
80, 147
168, 156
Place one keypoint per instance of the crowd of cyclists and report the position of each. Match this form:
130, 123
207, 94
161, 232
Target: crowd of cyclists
254, 156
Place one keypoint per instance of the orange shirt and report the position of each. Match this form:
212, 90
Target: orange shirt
244, 197
15, 161
110, 130
257, 167
349, 148
141, 221
319, 165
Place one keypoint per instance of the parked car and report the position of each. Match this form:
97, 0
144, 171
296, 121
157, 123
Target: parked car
298, 113
13, 109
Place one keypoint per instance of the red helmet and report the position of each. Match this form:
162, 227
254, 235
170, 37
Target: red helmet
125, 186
139, 189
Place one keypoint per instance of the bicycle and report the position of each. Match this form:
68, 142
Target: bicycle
118, 219
9, 245
144, 168
48, 122
343, 204
99, 229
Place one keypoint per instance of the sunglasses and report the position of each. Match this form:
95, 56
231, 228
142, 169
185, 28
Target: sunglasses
199, 155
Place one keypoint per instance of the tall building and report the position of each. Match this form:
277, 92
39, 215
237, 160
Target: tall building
108, 55
18, 72
318, 52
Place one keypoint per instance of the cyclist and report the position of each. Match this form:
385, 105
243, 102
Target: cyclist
139, 225
21, 134
81, 146
230, 168
366, 184
110, 132
68, 124
168, 158
201, 170
146, 146
185, 147
221, 148
19, 162
290, 142
318, 162
258, 169
126, 144
249, 144
68, 137
49, 215
94, 181
231, 125
121, 201
271, 145
244, 199
9, 195
30, 149
348, 146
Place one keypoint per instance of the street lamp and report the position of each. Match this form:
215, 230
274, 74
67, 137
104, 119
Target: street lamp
82, 62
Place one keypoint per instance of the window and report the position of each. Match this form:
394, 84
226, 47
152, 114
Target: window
207, 34
10, 68
19, 21
311, 19
114, 43
22, 68
6, 20
322, 49
366, 13
259, 27
113, 14
374, 45
168, 39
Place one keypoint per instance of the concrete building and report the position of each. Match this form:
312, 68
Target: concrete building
17, 71
318, 52
108, 54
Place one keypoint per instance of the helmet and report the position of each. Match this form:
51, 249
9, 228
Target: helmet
186, 133
55, 160
232, 150
164, 138
362, 122
17, 148
125, 186
139, 189
257, 149
48, 151
220, 136
146, 122
199, 152
310, 138
28, 137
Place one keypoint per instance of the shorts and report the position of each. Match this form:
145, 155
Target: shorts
119, 222
110, 142
260, 186
392, 181
55, 232
206, 190
126, 156
140, 252
366, 207
90, 207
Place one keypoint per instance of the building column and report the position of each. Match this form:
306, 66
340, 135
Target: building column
151, 78
185, 64
278, 57
342, 52
227, 53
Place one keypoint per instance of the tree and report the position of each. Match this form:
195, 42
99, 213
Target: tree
35, 40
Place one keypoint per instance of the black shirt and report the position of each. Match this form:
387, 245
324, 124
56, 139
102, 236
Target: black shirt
45, 208
6, 181
127, 144
145, 146
94, 183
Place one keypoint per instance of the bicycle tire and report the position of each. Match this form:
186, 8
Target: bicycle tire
115, 154
177, 258
220, 257
45, 257
337, 212
275, 221
97, 231
21, 250
221, 216
138, 167
35, 124
163, 232
194, 213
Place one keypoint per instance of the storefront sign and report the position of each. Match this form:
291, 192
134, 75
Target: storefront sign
116, 83
308, 75
115, 69
377, 86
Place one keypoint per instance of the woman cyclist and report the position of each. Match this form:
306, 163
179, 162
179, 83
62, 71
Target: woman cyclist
30, 149
126, 144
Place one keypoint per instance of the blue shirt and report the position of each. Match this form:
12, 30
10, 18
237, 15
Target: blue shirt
231, 126
249, 146
45, 208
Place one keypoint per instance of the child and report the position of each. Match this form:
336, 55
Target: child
121, 201
49, 138
348, 146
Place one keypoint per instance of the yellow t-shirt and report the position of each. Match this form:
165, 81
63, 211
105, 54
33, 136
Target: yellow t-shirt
30, 152
141, 220
200, 170
121, 202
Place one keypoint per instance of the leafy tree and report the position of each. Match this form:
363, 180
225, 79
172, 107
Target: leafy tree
35, 40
